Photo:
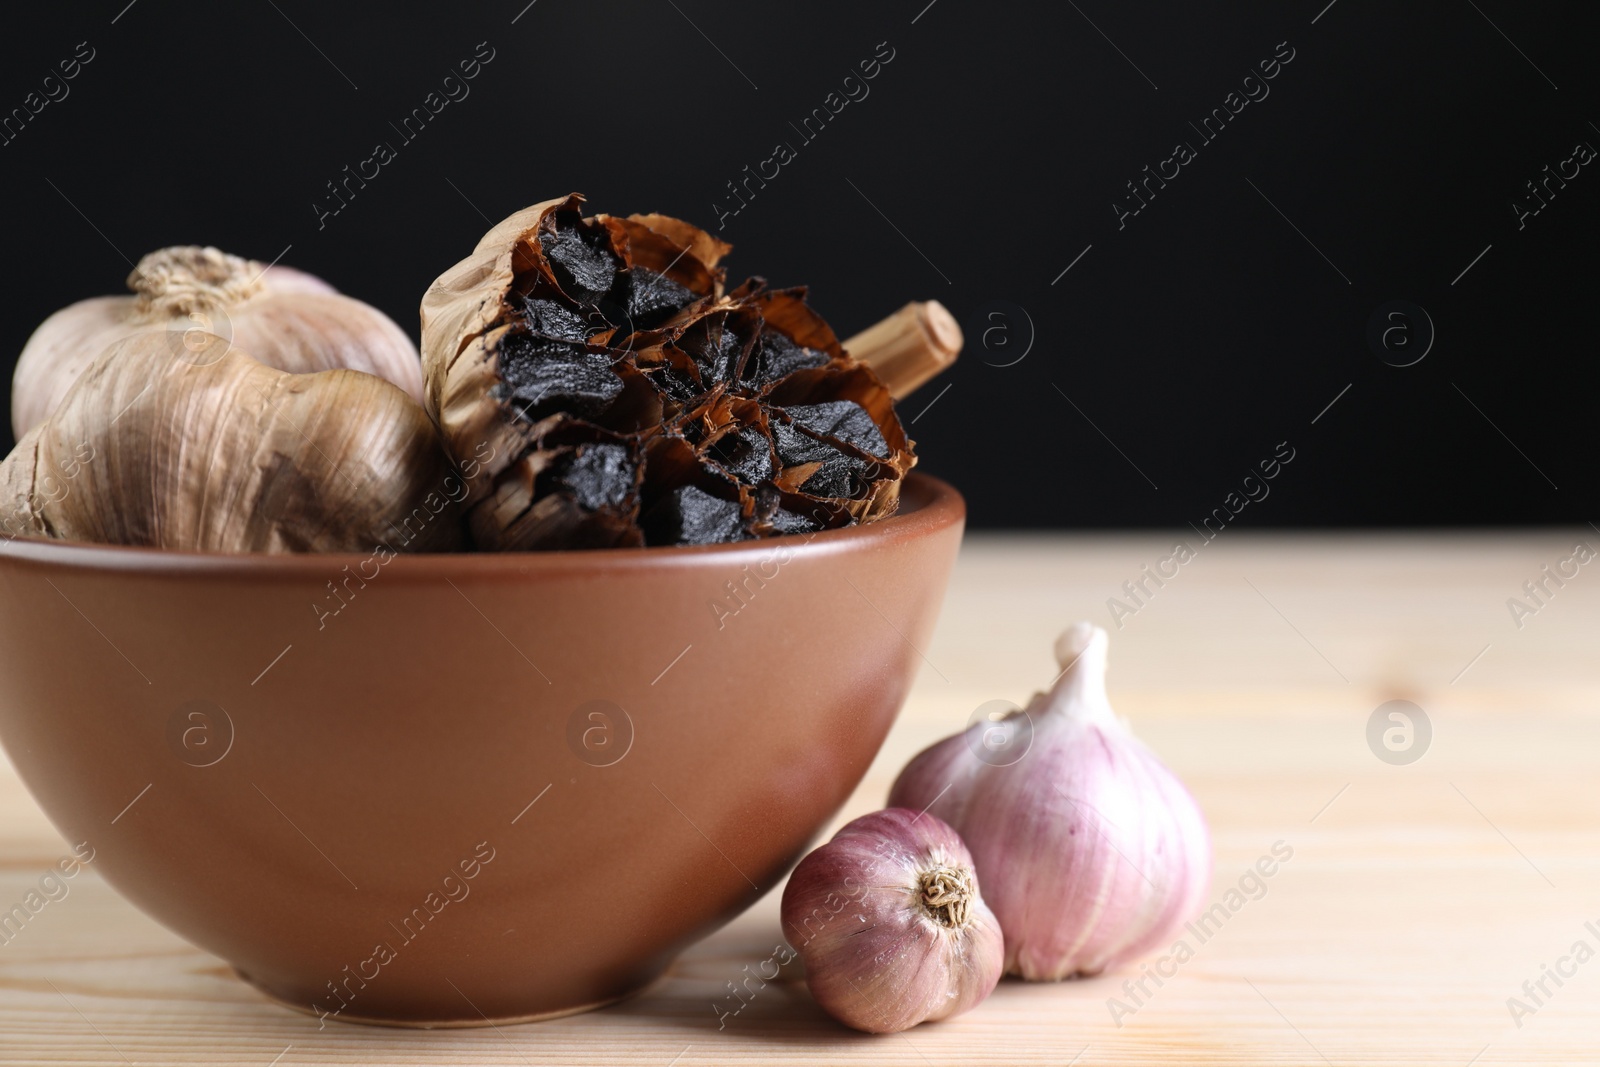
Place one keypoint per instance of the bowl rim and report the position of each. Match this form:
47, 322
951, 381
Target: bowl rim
934, 505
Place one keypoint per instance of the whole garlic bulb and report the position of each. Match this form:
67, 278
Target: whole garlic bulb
1091, 851
890, 924
284, 318
215, 452
631, 401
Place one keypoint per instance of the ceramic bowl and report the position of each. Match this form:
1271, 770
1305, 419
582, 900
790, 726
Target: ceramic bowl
444, 790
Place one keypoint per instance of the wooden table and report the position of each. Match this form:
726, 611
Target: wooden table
1418, 900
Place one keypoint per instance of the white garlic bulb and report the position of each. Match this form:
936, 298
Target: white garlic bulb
213, 452
1091, 851
890, 923
286, 319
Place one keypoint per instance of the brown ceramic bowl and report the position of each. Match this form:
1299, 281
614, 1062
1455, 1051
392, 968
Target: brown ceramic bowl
486, 787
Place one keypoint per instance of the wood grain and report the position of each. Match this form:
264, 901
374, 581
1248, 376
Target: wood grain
1418, 899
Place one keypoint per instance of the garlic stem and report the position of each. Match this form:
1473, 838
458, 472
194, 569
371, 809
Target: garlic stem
1080, 690
910, 346
179, 280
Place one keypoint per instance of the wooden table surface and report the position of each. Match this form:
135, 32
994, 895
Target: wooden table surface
1418, 901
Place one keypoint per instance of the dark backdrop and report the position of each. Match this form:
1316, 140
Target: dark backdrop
1139, 387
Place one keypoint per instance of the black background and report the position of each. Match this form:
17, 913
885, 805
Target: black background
985, 159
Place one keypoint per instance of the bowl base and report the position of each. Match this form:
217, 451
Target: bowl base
413, 1023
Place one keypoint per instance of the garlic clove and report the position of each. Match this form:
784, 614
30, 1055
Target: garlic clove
1091, 850
285, 318
891, 925
212, 451
282, 279
19, 515
59, 350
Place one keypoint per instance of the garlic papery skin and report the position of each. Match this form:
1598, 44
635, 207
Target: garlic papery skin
215, 452
1091, 851
286, 319
889, 921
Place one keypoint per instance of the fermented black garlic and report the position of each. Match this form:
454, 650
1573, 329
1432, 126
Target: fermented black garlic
630, 399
